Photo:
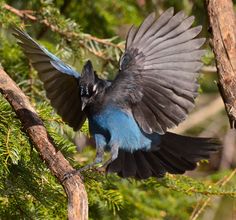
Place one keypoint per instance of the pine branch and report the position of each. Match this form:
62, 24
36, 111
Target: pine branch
223, 23
83, 39
201, 205
58, 165
188, 185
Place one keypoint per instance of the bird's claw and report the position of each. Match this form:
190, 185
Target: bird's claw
97, 166
101, 169
94, 165
72, 173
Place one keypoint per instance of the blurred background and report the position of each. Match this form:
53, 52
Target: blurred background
78, 30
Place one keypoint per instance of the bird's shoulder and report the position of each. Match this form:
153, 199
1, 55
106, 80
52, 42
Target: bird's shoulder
124, 90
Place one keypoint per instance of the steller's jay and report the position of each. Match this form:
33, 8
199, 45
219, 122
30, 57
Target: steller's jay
153, 91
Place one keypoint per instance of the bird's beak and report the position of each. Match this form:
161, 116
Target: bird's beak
84, 103
83, 106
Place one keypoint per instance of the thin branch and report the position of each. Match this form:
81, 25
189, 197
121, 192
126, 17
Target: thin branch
29, 15
203, 192
21, 13
223, 24
208, 69
56, 162
201, 205
103, 41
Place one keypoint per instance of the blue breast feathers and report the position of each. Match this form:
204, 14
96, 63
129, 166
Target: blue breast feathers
119, 128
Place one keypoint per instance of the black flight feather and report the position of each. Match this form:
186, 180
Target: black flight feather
60, 80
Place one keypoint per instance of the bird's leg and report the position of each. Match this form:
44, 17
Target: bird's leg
98, 159
100, 145
114, 154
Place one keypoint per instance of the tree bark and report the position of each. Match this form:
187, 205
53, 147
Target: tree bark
223, 25
56, 162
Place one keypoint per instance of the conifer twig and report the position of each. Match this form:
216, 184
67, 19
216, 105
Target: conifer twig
56, 162
28, 14
201, 205
223, 24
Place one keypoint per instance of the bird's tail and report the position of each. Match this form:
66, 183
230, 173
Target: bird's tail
175, 154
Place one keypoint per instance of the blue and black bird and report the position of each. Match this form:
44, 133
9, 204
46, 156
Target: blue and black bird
153, 91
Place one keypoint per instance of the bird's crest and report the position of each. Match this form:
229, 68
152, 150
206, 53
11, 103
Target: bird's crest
87, 81
88, 75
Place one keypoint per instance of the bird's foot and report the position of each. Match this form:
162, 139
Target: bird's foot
90, 166
78, 172
114, 155
96, 165
72, 173
103, 168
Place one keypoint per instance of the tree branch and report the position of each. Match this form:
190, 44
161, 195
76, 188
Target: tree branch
56, 162
87, 37
223, 24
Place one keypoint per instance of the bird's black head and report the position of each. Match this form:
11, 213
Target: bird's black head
88, 86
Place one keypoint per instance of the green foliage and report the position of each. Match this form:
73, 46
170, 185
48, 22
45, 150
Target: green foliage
24, 179
27, 189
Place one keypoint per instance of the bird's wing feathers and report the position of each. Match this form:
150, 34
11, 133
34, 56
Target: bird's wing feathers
158, 70
60, 80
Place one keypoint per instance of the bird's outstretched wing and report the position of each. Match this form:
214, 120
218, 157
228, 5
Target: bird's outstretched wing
60, 80
158, 71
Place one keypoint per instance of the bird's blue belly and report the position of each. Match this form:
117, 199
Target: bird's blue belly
119, 127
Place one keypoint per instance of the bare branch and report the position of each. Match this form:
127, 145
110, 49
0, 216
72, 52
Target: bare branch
20, 13
223, 24
56, 162
208, 69
68, 34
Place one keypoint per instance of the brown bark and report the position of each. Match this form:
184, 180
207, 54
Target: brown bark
223, 24
56, 162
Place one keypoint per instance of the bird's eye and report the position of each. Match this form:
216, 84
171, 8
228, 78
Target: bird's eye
85, 91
